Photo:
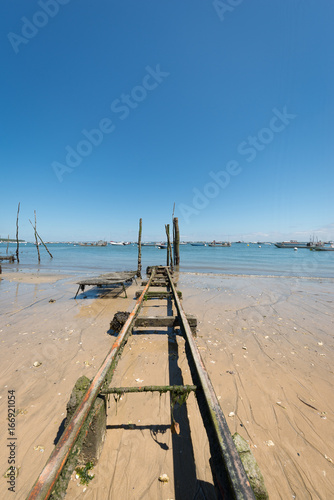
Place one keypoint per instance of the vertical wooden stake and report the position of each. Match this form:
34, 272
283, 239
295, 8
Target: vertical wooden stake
36, 240
176, 241
169, 248
167, 234
7, 245
139, 249
17, 234
173, 233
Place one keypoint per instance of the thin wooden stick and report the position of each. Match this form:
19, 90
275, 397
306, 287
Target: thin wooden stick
17, 233
167, 234
169, 249
39, 256
46, 248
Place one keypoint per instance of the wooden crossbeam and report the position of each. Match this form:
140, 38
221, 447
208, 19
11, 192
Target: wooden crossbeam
158, 294
178, 389
164, 321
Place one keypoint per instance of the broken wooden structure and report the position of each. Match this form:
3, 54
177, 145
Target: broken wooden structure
230, 478
108, 280
10, 258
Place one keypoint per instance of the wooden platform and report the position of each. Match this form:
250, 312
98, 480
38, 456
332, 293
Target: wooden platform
10, 258
108, 279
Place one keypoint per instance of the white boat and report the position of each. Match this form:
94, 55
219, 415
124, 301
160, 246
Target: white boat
117, 243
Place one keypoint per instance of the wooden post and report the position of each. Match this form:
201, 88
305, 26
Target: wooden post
173, 233
17, 234
36, 240
7, 245
176, 241
139, 249
169, 248
46, 248
167, 234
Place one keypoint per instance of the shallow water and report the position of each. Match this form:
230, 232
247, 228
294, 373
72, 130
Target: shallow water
239, 259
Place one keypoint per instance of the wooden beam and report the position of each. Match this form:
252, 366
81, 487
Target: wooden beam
158, 282
168, 321
176, 241
179, 389
17, 234
158, 294
139, 249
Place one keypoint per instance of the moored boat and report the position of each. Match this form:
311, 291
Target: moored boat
220, 244
299, 244
325, 248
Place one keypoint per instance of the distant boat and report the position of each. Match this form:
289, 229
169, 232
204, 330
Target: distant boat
162, 246
117, 243
100, 243
299, 244
324, 248
220, 244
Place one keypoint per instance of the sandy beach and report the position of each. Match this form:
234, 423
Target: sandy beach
266, 342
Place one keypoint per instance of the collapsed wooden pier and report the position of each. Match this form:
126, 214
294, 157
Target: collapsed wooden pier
230, 478
10, 258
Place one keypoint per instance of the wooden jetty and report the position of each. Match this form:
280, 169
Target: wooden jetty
230, 478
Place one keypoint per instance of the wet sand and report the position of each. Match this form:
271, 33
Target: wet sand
267, 344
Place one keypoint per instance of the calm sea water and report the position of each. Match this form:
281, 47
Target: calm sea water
238, 259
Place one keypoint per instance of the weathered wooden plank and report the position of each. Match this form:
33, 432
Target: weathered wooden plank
161, 321
158, 294
179, 389
158, 283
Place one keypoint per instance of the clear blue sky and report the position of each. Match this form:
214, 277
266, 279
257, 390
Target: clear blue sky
225, 110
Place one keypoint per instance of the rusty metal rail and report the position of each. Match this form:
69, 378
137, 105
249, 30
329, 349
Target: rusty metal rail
230, 477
